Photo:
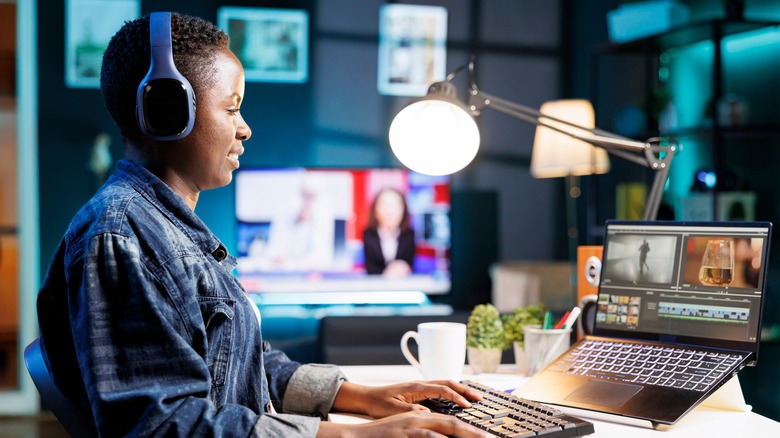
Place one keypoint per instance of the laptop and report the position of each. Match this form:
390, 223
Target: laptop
678, 314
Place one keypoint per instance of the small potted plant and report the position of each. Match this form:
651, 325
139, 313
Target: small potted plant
513, 329
485, 338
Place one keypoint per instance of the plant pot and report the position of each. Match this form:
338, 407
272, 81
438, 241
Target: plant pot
484, 360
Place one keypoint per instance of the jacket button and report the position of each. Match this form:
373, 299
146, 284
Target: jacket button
219, 254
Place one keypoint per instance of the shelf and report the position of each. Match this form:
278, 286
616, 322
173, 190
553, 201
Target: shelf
684, 34
717, 141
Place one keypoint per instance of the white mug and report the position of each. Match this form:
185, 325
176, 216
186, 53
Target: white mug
441, 347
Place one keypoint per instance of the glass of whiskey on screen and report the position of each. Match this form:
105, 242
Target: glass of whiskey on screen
717, 263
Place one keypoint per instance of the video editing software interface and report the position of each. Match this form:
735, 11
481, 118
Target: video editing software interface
687, 280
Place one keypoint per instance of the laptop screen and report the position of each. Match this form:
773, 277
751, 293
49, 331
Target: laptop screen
696, 283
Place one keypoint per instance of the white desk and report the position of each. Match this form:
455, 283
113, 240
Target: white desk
701, 422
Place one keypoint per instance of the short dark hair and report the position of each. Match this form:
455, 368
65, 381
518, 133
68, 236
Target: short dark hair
127, 57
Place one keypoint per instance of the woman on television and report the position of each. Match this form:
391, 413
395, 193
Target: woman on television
388, 240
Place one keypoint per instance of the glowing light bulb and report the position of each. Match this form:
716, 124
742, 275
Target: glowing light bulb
434, 137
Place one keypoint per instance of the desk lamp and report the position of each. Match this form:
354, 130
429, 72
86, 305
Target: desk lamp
438, 135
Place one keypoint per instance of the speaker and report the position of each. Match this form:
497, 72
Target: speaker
588, 304
588, 270
165, 102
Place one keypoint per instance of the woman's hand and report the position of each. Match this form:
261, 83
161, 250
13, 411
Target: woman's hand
383, 401
417, 423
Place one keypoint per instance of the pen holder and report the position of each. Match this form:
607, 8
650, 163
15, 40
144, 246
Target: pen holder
543, 346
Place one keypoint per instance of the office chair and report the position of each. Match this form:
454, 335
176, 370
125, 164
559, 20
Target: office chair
371, 340
74, 421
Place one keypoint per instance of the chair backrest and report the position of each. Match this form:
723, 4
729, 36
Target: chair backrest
372, 340
74, 421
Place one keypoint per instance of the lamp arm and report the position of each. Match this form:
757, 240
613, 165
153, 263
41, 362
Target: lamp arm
650, 154
656, 193
640, 160
480, 100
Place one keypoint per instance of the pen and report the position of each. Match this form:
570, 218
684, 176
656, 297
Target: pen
562, 321
547, 325
572, 318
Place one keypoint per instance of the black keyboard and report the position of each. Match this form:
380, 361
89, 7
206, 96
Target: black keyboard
508, 416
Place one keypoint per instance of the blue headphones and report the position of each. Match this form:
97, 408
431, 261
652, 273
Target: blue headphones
165, 102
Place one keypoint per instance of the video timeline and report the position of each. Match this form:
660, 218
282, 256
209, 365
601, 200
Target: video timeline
703, 312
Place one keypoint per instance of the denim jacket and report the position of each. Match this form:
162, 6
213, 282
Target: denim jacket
149, 332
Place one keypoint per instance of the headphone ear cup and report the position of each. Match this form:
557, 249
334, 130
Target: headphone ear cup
166, 108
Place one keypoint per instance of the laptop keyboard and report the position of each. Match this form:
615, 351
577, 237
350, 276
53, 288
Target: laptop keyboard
508, 416
647, 364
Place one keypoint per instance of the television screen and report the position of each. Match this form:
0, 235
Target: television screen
342, 230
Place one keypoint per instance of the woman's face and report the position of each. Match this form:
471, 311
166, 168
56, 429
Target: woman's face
389, 209
207, 157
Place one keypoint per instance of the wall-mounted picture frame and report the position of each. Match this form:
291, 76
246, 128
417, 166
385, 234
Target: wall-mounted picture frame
89, 26
412, 48
272, 44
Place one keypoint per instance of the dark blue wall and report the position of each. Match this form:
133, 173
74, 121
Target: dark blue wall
337, 117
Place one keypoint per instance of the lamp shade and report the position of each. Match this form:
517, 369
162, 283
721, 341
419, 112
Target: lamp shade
558, 155
435, 135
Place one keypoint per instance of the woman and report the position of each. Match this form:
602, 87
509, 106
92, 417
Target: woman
388, 240
143, 323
